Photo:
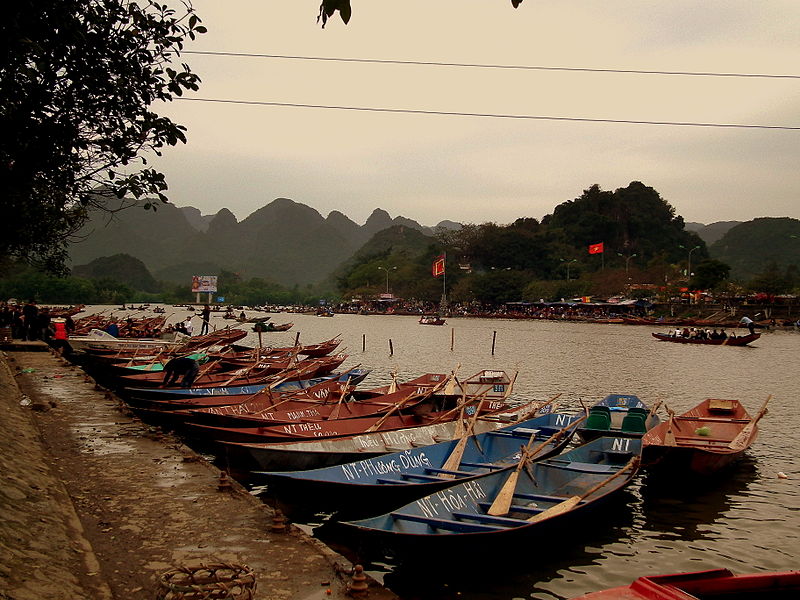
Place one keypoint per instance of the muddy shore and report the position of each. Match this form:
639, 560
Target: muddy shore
97, 505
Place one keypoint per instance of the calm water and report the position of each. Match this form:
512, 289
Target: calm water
747, 521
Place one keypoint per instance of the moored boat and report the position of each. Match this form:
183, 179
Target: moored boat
714, 583
373, 485
431, 320
622, 415
499, 508
703, 440
731, 340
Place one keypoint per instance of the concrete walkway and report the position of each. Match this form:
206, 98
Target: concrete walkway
96, 505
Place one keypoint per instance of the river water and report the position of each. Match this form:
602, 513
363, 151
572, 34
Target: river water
747, 521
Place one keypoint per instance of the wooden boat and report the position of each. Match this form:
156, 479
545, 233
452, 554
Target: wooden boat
213, 375
325, 452
266, 327
99, 340
237, 383
742, 340
374, 485
497, 509
703, 440
622, 415
431, 320
424, 412
190, 406
714, 583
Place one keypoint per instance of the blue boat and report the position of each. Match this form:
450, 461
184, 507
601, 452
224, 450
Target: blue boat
622, 415
376, 484
353, 376
489, 513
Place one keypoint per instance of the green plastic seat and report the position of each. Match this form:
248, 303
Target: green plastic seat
599, 418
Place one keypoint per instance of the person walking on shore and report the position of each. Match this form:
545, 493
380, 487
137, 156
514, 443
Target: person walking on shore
205, 314
30, 316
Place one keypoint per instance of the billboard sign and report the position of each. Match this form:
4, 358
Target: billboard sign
204, 283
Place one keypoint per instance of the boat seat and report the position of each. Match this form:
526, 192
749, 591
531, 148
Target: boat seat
436, 523
581, 467
528, 510
599, 418
634, 423
478, 465
390, 481
481, 518
448, 471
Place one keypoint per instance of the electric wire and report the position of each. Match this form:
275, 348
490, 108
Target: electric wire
491, 66
488, 115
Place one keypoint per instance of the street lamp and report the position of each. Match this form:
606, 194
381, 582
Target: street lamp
387, 269
569, 262
627, 258
689, 262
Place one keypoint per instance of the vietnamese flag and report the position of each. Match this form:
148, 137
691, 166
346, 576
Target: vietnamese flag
596, 248
438, 266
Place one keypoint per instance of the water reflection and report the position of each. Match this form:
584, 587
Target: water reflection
678, 509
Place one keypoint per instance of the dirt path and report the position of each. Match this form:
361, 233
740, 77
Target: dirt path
97, 504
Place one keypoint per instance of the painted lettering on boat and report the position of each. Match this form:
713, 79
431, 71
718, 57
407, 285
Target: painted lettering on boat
409, 459
452, 499
324, 393
621, 445
563, 420
301, 427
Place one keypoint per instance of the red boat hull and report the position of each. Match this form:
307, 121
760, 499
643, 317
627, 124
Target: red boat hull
716, 583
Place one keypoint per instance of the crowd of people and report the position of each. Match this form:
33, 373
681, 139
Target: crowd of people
29, 322
699, 333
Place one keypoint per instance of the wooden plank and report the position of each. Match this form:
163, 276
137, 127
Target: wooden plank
447, 523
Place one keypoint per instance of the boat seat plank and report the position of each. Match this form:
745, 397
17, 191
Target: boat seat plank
421, 477
448, 471
480, 465
495, 520
450, 524
712, 419
518, 433
585, 467
528, 510
545, 497
390, 481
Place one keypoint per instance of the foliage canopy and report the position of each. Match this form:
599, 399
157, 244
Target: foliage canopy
78, 79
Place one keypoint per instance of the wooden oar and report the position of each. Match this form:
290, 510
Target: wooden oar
669, 435
742, 440
570, 503
502, 502
454, 460
401, 403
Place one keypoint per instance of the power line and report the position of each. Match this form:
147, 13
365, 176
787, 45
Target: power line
487, 115
491, 66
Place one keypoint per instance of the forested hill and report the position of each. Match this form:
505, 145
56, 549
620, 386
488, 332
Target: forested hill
764, 244
284, 241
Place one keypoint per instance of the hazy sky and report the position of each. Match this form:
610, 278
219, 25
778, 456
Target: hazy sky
430, 167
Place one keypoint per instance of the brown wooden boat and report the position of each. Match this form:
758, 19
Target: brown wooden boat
742, 340
703, 440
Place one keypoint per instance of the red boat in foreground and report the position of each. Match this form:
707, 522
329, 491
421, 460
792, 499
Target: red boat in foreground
703, 440
716, 583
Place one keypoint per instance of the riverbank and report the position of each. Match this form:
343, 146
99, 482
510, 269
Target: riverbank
96, 505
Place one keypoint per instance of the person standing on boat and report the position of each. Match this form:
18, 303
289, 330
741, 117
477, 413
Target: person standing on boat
748, 322
187, 326
182, 365
205, 314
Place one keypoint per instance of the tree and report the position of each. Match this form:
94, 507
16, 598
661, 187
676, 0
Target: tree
709, 274
77, 82
328, 8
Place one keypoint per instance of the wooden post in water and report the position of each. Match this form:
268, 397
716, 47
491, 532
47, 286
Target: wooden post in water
494, 339
297, 338
391, 348
363, 342
452, 337
259, 338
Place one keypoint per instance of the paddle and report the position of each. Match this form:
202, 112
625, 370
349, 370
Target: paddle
401, 403
454, 460
502, 502
669, 435
570, 503
742, 440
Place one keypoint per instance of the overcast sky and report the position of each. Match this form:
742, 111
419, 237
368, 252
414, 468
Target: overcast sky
431, 167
